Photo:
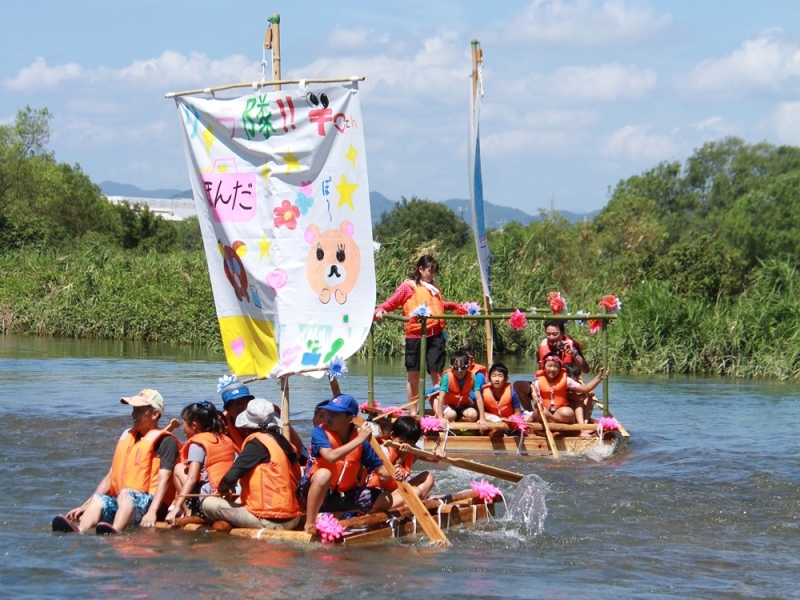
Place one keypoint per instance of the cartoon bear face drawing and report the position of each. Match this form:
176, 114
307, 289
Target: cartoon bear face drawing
334, 262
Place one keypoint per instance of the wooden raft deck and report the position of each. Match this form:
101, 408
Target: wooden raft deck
454, 509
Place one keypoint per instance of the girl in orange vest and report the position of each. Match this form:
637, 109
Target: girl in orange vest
268, 469
405, 431
415, 291
551, 387
205, 458
497, 398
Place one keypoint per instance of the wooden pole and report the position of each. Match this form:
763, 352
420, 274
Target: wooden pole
287, 427
275, 27
548, 433
463, 463
371, 367
606, 410
423, 366
477, 59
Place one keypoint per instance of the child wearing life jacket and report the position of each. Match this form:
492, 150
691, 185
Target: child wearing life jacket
405, 431
581, 403
205, 458
138, 486
497, 399
456, 393
551, 387
268, 468
418, 290
339, 449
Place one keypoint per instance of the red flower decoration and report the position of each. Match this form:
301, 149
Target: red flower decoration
595, 325
461, 310
286, 214
611, 303
556, 302
518, 321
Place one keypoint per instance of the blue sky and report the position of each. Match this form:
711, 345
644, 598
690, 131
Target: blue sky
578, 93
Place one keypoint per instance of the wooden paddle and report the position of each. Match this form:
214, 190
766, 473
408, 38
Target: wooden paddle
463, 463
389, 413
429, 526
550, 439
414, 503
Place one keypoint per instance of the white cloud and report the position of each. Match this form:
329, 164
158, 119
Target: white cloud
786, 122
359, 38
582, 22
770, 62
604, 83
39, 76
638, 143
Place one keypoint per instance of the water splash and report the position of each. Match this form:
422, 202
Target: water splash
600, 451
526, 507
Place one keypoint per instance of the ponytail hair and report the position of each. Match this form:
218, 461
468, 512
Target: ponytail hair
206, 415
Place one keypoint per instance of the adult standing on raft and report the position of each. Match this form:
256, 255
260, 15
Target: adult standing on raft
418, 290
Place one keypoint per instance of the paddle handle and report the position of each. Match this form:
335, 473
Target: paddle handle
550, 439
463, 463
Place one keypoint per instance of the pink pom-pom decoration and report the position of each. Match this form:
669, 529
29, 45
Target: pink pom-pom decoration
518, 321
363, 407
518, 423
611, 302
394, 410
608, 423
595, 325
557, 302
430, 424
485, 490
329, 528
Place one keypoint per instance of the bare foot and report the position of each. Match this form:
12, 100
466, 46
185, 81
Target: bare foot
310, 528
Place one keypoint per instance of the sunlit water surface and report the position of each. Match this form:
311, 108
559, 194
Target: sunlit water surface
701, 502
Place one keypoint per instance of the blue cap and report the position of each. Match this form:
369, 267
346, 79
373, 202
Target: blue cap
342, 403
236, 392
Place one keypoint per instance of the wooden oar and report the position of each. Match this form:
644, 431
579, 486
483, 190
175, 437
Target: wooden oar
550, 439
463, 463
394, 410
425, 520
414, 503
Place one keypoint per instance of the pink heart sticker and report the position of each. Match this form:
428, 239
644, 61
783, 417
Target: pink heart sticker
237, 346
277, 279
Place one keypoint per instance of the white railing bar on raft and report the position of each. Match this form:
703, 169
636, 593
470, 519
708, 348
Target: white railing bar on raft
258, 84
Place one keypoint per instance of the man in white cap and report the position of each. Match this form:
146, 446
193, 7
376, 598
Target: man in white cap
139, 483
268, 470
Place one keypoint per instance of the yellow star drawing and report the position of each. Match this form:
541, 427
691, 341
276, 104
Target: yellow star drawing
351, 155
265, 246
291, 161
208, 138
265, 173
346, 190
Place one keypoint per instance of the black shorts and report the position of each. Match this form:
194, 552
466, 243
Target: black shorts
460, 410
358, 499
435, 349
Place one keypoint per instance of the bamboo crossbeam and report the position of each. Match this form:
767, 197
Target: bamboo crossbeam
259, 84
382, 517
499, 426
496, 316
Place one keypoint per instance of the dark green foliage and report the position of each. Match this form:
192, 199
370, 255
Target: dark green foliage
424, 221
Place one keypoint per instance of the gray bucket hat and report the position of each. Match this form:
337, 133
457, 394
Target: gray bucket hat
260, 414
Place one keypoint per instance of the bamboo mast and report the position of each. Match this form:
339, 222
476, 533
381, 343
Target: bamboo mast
477, 60
606, 410
287, 426
272, 41
371, 367
423, 366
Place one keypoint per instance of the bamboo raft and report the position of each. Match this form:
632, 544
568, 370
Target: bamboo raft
449, 510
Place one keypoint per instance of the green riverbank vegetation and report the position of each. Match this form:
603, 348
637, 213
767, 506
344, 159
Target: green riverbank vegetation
703, 255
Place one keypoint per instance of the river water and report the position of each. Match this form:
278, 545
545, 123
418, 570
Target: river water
703, 500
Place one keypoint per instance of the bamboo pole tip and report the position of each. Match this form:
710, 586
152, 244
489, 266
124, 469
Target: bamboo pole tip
475, 42
276, 18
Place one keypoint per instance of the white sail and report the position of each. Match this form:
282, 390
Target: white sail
280, 183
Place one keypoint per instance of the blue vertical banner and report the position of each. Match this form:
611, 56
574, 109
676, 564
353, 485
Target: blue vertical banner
476, 185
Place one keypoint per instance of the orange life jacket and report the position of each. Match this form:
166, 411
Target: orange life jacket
566, 357
405, 467
554, 396
434, 303
220, 453
476, 368
492, 406
268, 490
455, 395
135, 465
344, 472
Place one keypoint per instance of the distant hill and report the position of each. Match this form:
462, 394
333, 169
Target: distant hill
186, 194
112, 188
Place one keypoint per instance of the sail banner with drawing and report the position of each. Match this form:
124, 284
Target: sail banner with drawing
280, 183
476, 191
